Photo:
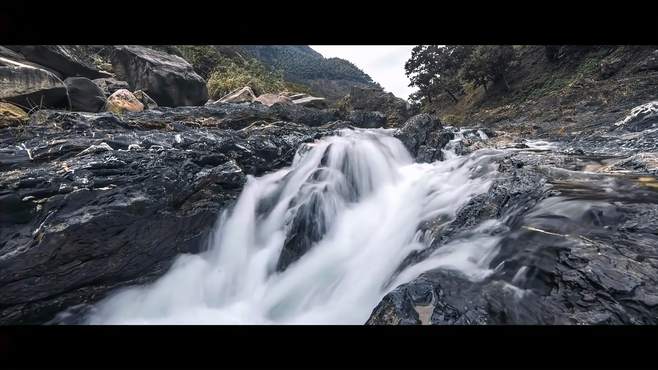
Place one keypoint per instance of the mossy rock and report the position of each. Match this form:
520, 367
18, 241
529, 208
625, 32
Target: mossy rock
11, 115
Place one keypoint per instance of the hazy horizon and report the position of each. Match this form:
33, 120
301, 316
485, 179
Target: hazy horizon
384, 63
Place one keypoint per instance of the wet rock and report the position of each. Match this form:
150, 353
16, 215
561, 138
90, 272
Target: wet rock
570, 252
306, 116
168, 79
366, 119
123, 101
424, 137
85, 96
640, 118
93, 201
69, 60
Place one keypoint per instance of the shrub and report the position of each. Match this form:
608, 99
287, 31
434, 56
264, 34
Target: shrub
204, 58
229, 75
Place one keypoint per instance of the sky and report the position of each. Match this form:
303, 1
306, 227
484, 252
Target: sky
384, 63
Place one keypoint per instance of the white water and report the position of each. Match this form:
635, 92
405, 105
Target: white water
367, 194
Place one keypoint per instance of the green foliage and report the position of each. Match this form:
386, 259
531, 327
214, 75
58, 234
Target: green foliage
300, 63
204, 58
488, 63
434, 69
230, 74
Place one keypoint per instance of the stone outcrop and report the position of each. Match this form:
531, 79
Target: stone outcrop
85, 95
69, 60
30, 86
95, 201
168, 79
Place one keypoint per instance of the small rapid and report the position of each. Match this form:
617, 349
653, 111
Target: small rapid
319, 242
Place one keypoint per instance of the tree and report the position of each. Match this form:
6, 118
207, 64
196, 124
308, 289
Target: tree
488, 63
434, 69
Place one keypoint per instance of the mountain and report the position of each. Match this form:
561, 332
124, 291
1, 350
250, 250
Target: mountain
328, 77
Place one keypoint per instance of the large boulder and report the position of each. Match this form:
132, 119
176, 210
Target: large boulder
424, 137
367, 119
69, 60
110, 85
123, 101
396, 110
11, 115
242, 95
30, 86
168, 79
85, 95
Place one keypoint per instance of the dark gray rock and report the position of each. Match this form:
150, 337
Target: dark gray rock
85, 96
424, 137
396, 110
69, 60
92, 202
28, 86
168, 79
575, 248
110, 85
367, 119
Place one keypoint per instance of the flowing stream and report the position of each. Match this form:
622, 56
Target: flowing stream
359, 199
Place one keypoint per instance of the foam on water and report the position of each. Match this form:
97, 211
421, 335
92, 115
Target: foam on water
363, 195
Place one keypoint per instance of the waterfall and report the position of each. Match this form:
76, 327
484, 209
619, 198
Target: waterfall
319, 242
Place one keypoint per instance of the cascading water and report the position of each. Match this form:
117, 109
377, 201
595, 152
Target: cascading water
358, 199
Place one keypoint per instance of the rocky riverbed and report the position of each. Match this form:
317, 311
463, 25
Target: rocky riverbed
105, 181
95, 201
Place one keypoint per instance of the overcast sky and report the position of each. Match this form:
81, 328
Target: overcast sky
384, 63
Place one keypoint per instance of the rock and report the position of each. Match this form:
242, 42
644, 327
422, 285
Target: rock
305, 116
11, 115
640, 118
424, 137
611, 65
84, 94
309, 101
11, 54
242, 95
271, 99
650, 63
110, 85
168, 79
366, 119
396, 110
69, 60
565, 256
29, 86
145, 99
103, 201
123, 101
